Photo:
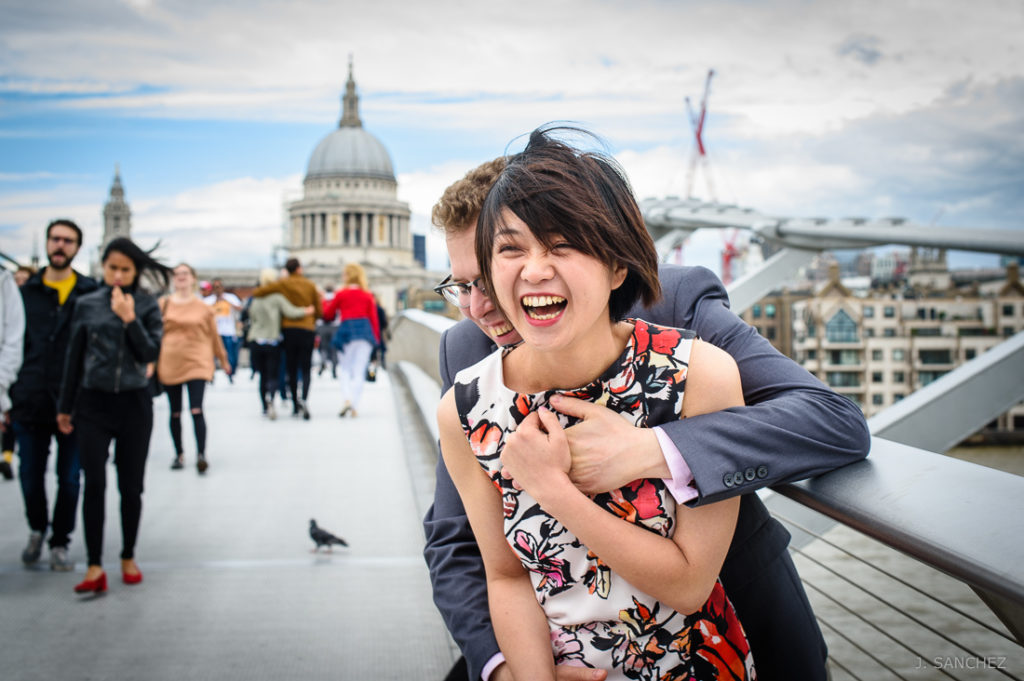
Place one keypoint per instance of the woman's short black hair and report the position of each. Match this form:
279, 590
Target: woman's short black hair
143, 260
583, 197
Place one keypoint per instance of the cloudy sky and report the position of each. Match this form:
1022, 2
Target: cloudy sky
211, 109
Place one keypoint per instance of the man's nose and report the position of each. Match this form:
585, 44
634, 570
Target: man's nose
479, 302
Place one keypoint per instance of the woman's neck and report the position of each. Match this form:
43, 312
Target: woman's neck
182, 296
529, 370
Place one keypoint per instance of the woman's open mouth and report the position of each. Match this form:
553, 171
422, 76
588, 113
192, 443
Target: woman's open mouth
543, 308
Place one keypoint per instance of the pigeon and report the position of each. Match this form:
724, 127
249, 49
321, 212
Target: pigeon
323, 538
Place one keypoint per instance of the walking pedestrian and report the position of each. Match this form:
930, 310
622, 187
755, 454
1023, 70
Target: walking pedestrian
298, 335
357, 336
49, 297
226, 307
104, 396
12, 336
265, 336
190, 343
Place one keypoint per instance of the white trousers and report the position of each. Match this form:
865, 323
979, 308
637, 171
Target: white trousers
352, 363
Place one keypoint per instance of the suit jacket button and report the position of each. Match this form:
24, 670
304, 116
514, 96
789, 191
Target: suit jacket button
750, 475
762, 472
737, 478
727, 480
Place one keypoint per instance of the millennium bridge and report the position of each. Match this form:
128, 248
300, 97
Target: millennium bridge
914, 561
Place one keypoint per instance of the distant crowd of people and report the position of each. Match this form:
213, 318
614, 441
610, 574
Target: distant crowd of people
82, 360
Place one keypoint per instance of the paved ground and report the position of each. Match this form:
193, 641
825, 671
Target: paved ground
232, 590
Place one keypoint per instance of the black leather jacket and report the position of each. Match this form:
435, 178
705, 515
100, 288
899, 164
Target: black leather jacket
106, 354
47, 329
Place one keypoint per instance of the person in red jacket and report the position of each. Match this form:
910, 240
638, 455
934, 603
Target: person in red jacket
357, 336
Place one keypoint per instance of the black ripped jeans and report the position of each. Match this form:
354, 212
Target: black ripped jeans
195, 388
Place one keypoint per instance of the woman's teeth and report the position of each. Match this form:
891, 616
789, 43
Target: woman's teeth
543, 307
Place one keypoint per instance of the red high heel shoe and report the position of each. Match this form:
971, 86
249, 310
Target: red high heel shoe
131, 579
98, 585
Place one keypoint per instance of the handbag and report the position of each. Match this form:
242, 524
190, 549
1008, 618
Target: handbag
371, 372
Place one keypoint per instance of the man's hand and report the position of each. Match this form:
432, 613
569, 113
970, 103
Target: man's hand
562, 673
122, 304
607, 451
536, 455
64, 423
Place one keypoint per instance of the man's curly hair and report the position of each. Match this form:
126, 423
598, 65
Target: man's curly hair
459, 207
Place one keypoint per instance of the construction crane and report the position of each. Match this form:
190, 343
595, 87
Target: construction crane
699, 154
699, 157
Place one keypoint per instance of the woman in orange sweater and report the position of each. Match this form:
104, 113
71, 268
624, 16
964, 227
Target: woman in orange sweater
357, 336
189, 346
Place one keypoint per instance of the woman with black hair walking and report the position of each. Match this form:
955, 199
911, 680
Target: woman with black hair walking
115, 334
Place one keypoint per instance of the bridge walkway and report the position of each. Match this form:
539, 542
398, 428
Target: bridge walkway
232, 589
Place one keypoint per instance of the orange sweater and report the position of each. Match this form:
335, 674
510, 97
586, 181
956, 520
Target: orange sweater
190, 342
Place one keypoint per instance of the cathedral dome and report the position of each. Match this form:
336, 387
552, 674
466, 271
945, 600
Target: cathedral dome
350, 151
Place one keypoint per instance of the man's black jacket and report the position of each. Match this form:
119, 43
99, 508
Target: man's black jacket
47, 329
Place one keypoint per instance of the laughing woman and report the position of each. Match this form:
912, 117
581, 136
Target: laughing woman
624, 581
115, 333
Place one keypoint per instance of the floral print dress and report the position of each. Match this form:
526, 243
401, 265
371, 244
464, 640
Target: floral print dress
597, 618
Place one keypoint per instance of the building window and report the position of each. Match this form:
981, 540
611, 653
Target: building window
969, 354
896, 397
769, 311
877, 355
756, 311
844, 357
812, 354
841, 329
1007, 310
876, 377
877, 400
889, 332
935, 357
771, 333
1007, 331
889, 312
899, 377
842, 379
869, 311
898, 354
926, 377
869, 332
812, 330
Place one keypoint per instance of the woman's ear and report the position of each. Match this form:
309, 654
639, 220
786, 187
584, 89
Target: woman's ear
619, 274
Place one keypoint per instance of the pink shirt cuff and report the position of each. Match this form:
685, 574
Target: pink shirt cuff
491, 665
681, 485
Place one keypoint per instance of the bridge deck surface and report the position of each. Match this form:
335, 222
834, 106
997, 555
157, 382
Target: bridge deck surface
232, 589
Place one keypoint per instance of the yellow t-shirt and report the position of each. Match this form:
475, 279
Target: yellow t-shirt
63, 287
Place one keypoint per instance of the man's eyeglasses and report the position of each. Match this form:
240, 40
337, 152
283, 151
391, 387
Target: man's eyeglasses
457, 292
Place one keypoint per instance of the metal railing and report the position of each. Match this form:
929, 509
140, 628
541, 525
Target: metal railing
941, 520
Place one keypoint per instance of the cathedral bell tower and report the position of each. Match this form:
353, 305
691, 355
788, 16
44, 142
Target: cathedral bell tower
117, 216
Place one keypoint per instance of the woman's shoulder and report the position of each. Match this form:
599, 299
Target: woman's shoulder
488, 364
657, 339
